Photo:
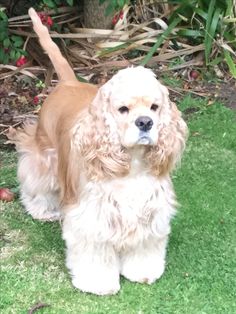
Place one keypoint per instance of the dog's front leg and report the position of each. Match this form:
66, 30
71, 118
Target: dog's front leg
146, 262
94, 266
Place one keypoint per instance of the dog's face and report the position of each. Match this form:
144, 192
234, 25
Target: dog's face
136, 103
131, 110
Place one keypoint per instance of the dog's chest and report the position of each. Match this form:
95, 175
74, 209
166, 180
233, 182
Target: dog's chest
135, 195
132, 207
141, 205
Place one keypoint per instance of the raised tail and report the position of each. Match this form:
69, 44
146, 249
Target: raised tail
62, 67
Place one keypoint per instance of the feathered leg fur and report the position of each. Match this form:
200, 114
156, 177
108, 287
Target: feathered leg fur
36, 173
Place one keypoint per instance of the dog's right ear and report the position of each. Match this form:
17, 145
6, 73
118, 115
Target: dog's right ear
102, 151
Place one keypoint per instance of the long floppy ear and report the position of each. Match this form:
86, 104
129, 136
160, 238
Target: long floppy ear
172, 135
100, 147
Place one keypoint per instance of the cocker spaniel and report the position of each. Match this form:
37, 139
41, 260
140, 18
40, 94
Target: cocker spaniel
101, 158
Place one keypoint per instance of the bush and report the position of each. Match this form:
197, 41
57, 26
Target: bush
11, 46
211, 22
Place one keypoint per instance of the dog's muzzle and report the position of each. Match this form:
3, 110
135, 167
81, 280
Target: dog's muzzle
144, 123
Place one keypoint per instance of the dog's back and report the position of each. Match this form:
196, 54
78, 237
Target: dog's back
45, 146
69, 97
62, 107
65, 102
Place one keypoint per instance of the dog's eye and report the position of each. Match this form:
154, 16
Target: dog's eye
154, 107
123, 109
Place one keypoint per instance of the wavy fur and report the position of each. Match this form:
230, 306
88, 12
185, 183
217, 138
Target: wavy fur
101, 159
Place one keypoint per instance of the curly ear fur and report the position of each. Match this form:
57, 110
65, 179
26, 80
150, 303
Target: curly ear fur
163, 157
99, 144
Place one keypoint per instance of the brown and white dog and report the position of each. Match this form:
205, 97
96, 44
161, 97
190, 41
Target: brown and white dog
101, 159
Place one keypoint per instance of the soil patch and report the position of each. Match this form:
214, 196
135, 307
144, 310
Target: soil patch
21, 96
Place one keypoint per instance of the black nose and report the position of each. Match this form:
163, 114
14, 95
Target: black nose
144, 123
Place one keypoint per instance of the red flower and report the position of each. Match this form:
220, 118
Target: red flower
21, 61
42, 17
121, 14
45, 19
115, 19
36, 100
118, 16
49, 21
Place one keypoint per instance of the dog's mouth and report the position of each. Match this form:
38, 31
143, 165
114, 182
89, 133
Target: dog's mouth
144, 139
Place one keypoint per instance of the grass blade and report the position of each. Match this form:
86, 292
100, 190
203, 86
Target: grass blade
194, 33
160, 40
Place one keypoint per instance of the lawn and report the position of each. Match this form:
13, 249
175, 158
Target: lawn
201, 269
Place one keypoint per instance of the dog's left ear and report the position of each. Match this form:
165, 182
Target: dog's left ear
172, 135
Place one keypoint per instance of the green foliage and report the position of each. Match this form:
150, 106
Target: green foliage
53, 4
160, 40
209, 22
114, 5
10, 45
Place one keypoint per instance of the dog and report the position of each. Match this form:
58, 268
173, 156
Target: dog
100, 159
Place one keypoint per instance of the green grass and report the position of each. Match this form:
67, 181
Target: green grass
201, 271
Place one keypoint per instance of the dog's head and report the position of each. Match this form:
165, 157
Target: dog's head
133, 110
136, 104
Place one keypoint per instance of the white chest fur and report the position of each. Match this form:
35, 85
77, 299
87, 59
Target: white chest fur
127, 210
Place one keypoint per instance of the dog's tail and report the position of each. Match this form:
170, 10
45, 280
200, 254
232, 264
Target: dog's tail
62, 67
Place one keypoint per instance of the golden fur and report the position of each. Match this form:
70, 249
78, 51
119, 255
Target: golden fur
101, 158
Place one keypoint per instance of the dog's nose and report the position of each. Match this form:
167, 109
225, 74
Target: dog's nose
144, 123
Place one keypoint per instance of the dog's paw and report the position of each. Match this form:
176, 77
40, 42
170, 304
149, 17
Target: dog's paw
49, 216
97, 283
143, 271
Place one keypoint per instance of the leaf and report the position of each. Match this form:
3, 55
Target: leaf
190, 33
70, 2
200, 12
17, 41
18, 54
230, 7
160, 40
5, 58
109, 9
121, 3
112, 49
208, 23
81, 79
12, 54
230, 63
22, 52
216, 61
2, 53
3, 16
3, 34
6, 42
211, 25
16, 38
50, 3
